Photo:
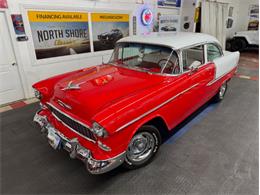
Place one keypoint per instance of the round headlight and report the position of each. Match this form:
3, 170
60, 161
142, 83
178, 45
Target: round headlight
37, 94
99, 130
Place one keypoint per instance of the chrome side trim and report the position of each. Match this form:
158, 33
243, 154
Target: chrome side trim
156, 108
216, 79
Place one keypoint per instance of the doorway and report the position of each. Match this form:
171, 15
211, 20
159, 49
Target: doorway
10, 82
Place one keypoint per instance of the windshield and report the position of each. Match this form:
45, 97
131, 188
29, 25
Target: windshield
146, 57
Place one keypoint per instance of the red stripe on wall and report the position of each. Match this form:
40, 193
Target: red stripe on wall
17, 104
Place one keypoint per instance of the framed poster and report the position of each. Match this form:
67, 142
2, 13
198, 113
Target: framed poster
229, 23
18, 24
169, 3
169, 23
59, 33
253, 22
108, 28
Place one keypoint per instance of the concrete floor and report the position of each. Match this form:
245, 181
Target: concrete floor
213, 152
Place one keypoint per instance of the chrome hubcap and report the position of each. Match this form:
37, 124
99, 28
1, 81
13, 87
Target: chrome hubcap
140, 147
222, 90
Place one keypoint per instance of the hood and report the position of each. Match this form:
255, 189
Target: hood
97, 88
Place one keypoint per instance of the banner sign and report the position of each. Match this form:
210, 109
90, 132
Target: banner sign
3, 4
59, 33
108, 28
169, 23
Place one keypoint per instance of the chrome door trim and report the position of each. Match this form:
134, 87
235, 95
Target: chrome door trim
156, 108
216, 79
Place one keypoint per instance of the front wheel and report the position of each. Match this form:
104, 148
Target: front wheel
142, 147
239, 44
221, 92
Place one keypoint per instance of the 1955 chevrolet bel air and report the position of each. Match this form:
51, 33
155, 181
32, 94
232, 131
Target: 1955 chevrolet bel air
116, 113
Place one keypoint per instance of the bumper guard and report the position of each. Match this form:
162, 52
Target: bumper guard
75, 149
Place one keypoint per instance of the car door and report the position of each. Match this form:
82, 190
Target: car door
214, 56
198, 77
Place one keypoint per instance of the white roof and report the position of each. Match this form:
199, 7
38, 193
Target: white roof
176, 40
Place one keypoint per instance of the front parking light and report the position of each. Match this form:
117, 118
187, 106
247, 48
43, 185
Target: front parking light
99, 130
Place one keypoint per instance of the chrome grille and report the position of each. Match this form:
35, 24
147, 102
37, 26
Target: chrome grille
73, 124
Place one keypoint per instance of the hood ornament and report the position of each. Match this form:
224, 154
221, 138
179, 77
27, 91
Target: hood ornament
72, 86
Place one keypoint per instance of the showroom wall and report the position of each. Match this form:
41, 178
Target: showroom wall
242, 21
240, 14
33, 68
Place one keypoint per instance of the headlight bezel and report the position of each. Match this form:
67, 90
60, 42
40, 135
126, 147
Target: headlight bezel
37, 94
98, 130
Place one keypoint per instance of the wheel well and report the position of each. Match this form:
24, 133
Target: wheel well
160, 124
241, 38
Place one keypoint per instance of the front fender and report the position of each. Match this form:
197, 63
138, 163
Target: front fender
120, 140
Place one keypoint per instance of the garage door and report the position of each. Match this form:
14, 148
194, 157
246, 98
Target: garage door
10, 84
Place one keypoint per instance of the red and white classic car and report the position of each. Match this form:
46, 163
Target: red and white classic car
116, 113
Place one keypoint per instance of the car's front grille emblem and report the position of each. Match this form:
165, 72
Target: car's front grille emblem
61, 103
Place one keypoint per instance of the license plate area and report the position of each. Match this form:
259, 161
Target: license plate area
53, 139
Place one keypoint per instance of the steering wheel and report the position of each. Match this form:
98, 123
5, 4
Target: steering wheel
171, 67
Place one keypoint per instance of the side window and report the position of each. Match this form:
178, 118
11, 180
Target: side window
192, 54
213, 52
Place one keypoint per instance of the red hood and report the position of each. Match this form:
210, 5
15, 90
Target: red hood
100, 87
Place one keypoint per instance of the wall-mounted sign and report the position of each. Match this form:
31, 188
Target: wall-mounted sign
230, 11
59, 33
253, 22
134, 25
108, 28
3, 4
18, 24
229, 23
169, 3
147, 17
169, 23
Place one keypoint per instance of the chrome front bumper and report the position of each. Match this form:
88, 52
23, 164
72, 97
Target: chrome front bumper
76, 150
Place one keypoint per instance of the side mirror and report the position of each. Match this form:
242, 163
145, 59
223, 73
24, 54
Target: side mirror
194, 66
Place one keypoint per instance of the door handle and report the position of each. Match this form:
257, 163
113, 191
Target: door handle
14, 64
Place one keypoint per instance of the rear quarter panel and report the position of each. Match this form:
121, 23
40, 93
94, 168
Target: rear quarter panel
226, 63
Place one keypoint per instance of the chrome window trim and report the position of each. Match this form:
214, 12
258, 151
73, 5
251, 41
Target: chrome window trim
167, 61
204, 56
156, 108
205, 52
71, 119
219, 48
